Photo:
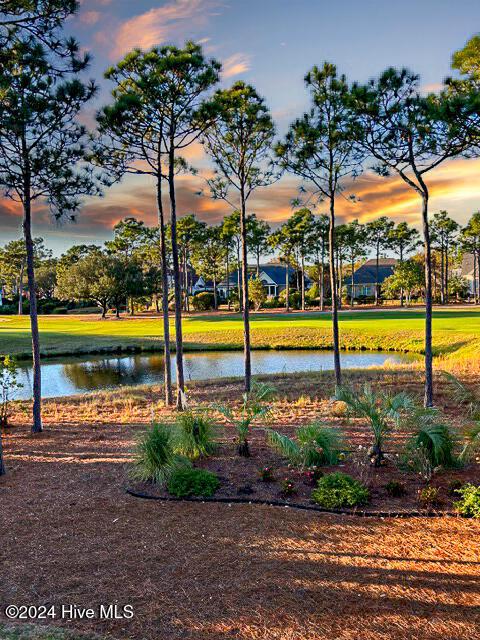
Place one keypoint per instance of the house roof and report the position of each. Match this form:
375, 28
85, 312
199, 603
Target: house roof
367, 273
276, 272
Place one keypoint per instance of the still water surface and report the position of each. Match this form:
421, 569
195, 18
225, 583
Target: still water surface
74, 376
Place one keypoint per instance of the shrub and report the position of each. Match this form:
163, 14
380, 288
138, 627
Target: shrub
192, 482
194, 435
204, 301
382, 410
155, 459
337, 490
288, 488
395, 489
469, 504
60, 310
315, 445
266, 474
428, 496
312, 476
253, 408
433, 437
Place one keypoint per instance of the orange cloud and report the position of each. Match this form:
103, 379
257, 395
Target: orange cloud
167, 22
236, 64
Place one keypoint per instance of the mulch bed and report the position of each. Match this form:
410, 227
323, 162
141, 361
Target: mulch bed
70, 534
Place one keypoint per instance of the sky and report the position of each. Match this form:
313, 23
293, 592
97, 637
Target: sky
271, 44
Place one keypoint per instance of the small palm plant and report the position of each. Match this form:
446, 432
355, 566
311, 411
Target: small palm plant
155, 459
253, 408
470, 399
433, 436
383, 411
314, 445
194, 435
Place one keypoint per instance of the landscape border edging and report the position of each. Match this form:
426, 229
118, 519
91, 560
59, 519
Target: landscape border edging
302, 507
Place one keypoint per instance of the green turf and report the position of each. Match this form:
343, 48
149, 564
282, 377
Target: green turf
35, 632
455, 331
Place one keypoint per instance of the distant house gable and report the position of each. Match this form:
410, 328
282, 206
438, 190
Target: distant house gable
365, 277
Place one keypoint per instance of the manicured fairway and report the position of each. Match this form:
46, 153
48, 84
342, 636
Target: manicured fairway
456, 331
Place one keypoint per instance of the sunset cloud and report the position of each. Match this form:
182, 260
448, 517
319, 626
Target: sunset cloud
90, 17
235, 65
168, 22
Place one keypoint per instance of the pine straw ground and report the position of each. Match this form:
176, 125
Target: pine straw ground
70, 534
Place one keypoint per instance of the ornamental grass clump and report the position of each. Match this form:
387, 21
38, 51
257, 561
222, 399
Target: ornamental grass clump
337, 490
155, 459
314, 445
194, 435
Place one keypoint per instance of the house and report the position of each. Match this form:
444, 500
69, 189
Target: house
365, 277
469, 271
272, 276
199, 285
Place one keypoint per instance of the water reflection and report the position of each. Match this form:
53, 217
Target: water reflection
73, 376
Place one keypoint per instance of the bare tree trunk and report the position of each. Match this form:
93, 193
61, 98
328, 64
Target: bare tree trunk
3, 471
333, 286
176, 282
228, 278
352, 284
239, 276
428, 399
446, 274
215, 300
321, 290
303, 282
167, 362
27, 232
287, 287
246, 311
377, 268
442, 274
20, 290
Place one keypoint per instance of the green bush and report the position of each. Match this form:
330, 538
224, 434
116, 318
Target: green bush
204, 301
194, 435
60, 310
315, 445
192, 482
155, 459
432, 438
469, 504
337, 490
428, 496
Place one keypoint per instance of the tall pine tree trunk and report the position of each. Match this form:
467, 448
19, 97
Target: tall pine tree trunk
333, 287
446, 273
177, 285
20, 289
303, 282
239, 277
321, 290
428, 399
27, 233
377, 268
167, 363
287, 286
2, 464
245, 301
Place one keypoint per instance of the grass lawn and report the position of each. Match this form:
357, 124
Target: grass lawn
455, 332
192, 571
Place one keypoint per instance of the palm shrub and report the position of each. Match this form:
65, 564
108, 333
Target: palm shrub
253, 408
314, 445
194, 435
155, 459
432, 438
382, 410
337, 490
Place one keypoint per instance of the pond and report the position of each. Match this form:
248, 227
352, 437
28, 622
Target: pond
74, 376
